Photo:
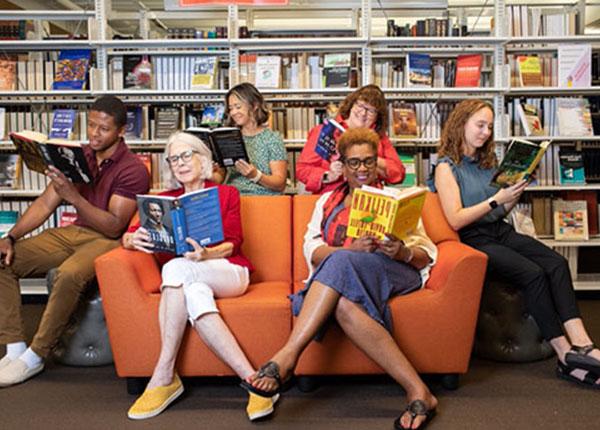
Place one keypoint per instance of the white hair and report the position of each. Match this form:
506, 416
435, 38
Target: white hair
197, 145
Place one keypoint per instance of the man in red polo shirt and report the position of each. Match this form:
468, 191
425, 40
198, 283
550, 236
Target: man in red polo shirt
104, 209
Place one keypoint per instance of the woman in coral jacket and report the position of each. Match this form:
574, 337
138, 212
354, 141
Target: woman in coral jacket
365, 107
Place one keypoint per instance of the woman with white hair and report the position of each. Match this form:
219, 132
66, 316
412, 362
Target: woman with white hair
190, 283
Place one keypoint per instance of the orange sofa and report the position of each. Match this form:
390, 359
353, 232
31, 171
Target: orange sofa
435, 326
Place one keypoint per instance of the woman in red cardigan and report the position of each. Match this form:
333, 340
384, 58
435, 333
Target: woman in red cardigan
365, 107
190, 283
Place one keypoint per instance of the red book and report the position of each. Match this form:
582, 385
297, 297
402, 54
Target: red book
67, 218
468, 70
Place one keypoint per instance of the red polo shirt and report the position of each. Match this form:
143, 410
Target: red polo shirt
122, 174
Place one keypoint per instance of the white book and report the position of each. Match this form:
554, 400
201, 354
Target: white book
575, 65
574, 118
268, 71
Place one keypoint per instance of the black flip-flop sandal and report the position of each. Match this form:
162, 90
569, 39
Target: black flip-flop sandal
563, 371
415, 408
269, 370
579, 357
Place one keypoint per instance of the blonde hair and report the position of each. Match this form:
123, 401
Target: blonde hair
197, 145
453, 134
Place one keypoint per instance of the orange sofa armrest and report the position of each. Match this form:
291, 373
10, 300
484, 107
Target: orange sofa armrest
135, 268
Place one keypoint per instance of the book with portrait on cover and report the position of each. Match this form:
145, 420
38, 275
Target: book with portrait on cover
170, 220
378, 212
520, 161
38, 152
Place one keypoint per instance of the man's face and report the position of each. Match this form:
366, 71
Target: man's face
155, 212
102, 131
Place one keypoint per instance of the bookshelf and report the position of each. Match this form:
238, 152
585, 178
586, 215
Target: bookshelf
361, 30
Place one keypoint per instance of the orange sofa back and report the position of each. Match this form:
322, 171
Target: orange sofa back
267, 229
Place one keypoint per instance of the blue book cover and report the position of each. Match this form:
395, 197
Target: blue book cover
419, 70
134, 125
326, 144
71, 69
170, 220
63, 123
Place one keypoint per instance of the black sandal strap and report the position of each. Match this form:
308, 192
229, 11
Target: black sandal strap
583, 350
270, 370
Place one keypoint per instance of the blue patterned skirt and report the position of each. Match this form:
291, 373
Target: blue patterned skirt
368, 279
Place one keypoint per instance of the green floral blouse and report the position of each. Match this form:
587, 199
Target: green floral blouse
262, 148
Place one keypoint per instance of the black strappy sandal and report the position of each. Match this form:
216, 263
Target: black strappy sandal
415, 408
579, 357
269, 370
563, 371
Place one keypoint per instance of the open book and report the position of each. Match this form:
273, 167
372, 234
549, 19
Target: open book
38, 152
384, 211
521, 159
225, 143
170, 220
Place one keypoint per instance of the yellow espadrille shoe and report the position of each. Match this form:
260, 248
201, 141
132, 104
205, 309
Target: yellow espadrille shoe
259, 407
155, 400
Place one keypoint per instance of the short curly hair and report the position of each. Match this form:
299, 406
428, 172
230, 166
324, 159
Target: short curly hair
453, 134
357, 136
372, 95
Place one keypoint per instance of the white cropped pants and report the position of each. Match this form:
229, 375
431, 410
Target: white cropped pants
202, 281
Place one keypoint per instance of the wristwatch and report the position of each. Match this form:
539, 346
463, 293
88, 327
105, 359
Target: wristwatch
493, 203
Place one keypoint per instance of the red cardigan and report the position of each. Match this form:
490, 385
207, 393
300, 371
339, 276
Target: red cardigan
229, 197
310, 167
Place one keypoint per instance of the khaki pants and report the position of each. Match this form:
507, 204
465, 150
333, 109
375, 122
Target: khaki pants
72, 250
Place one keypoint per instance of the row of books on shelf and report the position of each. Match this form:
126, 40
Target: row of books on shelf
219, 32
13, 30
422, 71
569, 67
299, 71
551, 116
568, 215
11, 210
533, 20
429, 27
65, 70
167, 72
58, 123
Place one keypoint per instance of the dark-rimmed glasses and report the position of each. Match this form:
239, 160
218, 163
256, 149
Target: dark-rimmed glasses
185, 156
354, 163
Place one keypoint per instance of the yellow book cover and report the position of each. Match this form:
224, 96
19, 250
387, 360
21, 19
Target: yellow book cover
530, 71
384, 211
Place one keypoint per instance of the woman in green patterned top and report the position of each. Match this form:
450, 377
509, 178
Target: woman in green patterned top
267, 171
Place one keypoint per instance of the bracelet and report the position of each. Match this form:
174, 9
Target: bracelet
410, 256
11, 239
257, 176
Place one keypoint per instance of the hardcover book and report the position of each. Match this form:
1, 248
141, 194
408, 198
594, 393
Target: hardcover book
574, 117
64, 123
575, 65
72, 69
137, 72
166, 122
7, 220
204, 72
170, 220
468, 70
134, 126
336, 70
10, 170
520, 161
530, 71
404, 120
268, 71
571, 167
378, 212
226, 144
8, 75
38, 152
212, 115
570, 220
419, 70
530, 120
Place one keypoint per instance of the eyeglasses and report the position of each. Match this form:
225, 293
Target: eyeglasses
362, 108
354, 163
185, 156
